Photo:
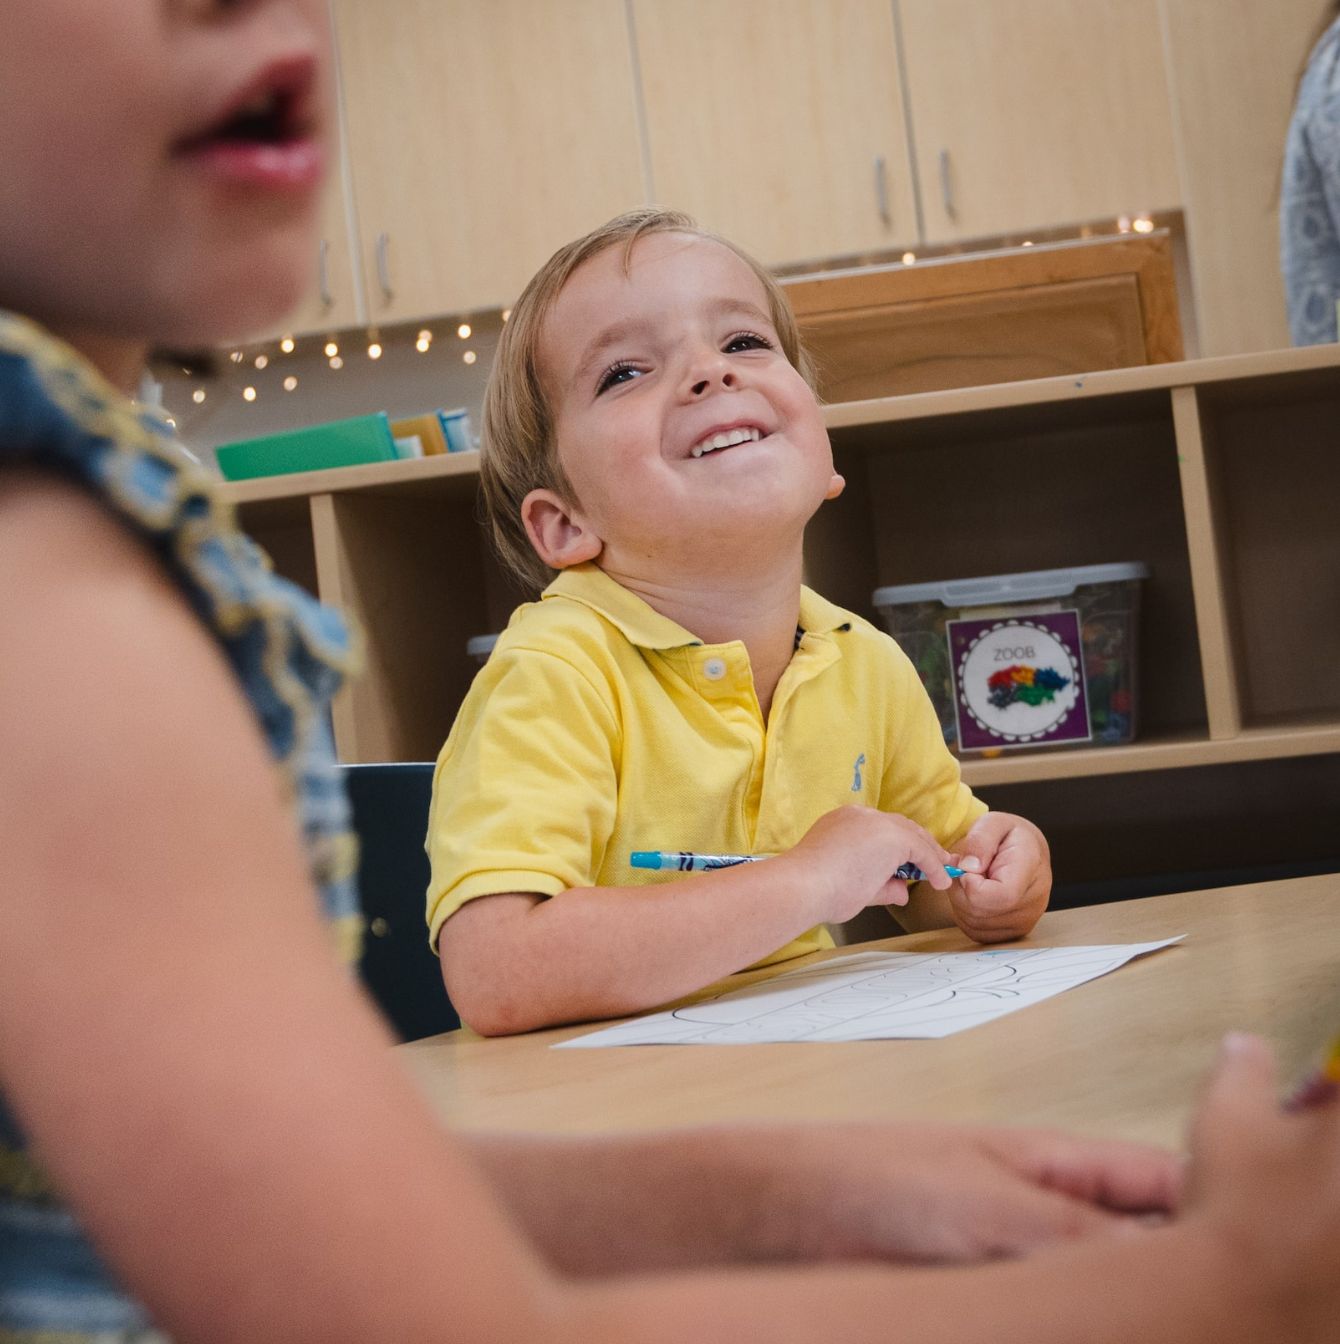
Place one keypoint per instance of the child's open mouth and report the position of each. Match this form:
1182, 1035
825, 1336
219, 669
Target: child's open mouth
265, 136
726, 439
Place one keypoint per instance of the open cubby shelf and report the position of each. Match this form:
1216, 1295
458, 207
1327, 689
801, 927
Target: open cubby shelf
1222, 475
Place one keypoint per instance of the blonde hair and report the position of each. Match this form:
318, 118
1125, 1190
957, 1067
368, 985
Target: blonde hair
518, 453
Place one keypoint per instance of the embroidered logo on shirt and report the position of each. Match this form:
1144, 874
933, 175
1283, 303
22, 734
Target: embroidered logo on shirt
856, 773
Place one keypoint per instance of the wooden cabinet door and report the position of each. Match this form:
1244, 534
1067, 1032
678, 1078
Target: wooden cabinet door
1037, 113
483, 134
778, 123
332, 300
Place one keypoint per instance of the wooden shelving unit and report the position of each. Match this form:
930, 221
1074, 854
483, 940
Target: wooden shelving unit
1222, 475
996, 316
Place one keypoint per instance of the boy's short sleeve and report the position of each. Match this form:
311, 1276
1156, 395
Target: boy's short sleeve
525, 789
922, 778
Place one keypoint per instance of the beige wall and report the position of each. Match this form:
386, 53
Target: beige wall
1233, 65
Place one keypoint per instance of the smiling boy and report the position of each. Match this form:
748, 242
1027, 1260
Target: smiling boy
651, 435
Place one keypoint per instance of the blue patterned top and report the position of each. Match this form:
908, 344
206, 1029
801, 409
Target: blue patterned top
1310, 198
289, 654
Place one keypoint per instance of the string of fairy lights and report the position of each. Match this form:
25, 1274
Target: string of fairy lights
425, 336
1123, 224
334, 347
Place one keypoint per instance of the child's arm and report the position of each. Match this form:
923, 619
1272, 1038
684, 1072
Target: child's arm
949, 1194
514, 962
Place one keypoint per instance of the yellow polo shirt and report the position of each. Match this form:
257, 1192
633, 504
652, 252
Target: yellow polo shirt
599, 727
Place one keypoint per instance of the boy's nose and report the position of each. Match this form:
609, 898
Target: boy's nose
716, 373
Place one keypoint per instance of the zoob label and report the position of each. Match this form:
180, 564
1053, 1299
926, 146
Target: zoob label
1018, 681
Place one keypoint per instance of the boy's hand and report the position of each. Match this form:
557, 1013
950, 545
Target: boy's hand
851, 854
1007, 892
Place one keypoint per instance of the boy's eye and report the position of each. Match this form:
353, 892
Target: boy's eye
746, 340
614, 375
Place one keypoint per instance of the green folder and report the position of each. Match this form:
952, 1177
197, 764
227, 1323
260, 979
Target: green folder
341, 443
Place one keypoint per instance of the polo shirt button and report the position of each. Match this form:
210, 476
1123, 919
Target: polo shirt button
714, 669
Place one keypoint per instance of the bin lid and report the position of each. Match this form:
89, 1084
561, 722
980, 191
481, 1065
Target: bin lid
991, 589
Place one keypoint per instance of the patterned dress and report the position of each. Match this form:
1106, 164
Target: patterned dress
1310, 198
289, 654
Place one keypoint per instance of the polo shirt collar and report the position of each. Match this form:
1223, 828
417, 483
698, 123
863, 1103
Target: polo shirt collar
819, 616
646, 628
640, 624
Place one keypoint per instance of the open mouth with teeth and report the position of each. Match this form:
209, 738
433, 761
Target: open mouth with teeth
726, 439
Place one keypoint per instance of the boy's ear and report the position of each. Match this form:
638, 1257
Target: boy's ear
559, 534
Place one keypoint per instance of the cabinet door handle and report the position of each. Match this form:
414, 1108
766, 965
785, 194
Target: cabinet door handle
882, 191
323, 273
384, 265
947, 185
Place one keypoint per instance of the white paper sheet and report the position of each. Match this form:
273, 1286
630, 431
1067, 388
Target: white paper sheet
876, 996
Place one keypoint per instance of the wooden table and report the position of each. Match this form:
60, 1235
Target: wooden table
1119, 1056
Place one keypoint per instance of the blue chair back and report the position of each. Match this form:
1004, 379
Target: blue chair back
390, 806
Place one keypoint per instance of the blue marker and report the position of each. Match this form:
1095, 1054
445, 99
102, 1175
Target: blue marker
658, 860
909, 872
685, 862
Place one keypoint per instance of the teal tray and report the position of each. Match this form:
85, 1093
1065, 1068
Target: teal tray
341, 443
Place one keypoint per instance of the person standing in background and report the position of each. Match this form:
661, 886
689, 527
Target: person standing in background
1310, 193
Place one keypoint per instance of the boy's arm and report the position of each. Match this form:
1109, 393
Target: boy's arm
514, 962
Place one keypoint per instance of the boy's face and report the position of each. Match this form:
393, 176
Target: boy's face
136, 196
685, 433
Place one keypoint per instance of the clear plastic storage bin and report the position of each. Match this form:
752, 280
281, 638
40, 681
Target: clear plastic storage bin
1045, 658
